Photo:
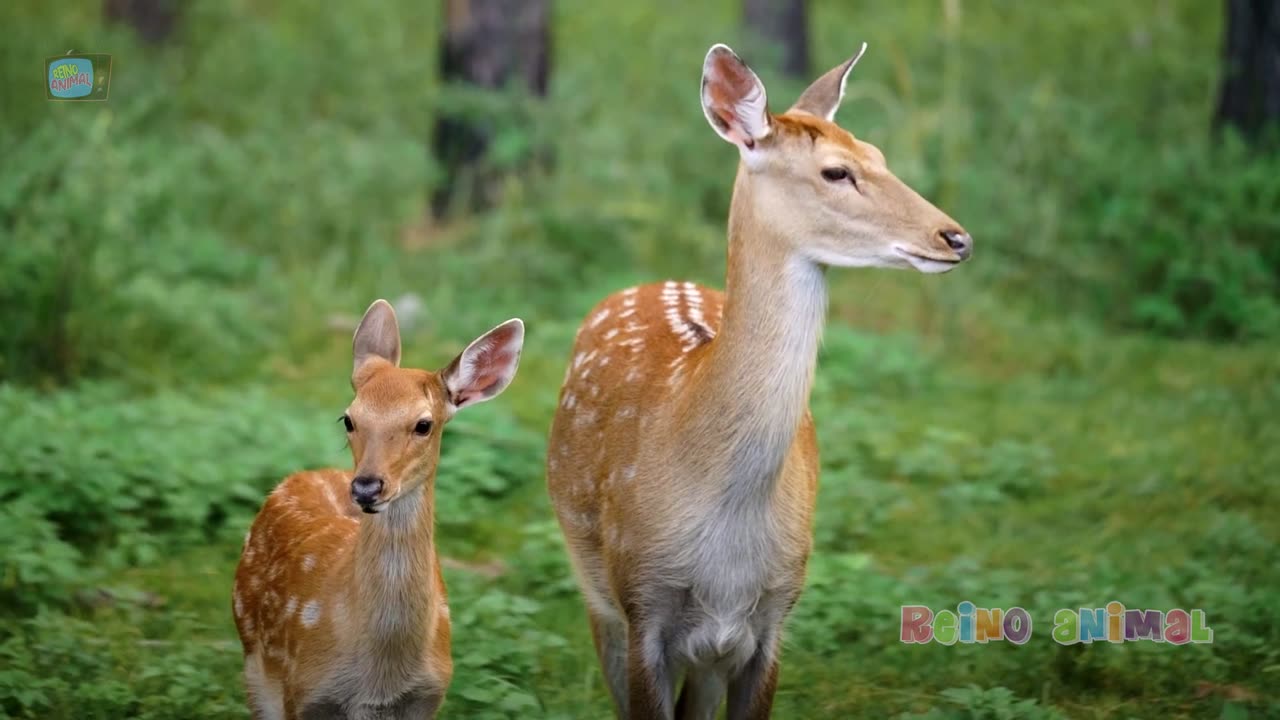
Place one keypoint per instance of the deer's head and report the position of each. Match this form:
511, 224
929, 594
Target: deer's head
394, 422
822, 189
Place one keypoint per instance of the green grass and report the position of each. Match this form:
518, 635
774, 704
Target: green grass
1084, 413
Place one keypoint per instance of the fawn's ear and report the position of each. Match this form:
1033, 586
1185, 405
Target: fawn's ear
823, 97
733, 98
377, 340
486, 367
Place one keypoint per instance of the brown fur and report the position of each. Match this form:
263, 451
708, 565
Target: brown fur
310, 515
803, 125
682, 462
344, 614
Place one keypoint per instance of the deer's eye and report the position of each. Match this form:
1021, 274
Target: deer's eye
835, 174
422, 428
346, 422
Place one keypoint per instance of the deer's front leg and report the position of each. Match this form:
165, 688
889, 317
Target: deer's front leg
751, 690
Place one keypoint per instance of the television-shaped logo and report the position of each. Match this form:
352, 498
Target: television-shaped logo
85, 76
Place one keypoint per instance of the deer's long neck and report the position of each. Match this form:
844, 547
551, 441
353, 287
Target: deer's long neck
393, 575
753, 386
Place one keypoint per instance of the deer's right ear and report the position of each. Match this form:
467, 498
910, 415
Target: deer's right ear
377, 340
733, 98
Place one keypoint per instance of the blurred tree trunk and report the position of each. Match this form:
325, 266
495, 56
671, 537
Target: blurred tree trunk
153, 20
784, 25
489, 44
1250, 96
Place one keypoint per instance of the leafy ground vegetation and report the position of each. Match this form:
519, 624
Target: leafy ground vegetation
1085, 413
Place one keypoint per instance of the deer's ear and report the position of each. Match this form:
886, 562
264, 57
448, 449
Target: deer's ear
377, 340
733, 98
486, 367
823, 97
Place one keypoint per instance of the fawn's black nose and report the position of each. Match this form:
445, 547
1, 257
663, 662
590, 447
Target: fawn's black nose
365, 490
959, 241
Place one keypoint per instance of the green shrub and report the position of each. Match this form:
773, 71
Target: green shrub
975, 703
55, 667
104, 479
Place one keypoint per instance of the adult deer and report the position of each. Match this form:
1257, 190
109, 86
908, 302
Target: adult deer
344, 615
682, 461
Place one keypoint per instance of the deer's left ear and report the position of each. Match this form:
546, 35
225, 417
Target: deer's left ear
486, 367
823, 97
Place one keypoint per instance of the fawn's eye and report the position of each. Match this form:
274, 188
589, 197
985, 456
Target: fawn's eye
346, 422
422, 428
835, 174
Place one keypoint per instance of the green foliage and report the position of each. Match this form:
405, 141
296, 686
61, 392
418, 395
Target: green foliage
1047, 427
483, 459
54, 667
974, 703
97, 479
498, 645
1196, 235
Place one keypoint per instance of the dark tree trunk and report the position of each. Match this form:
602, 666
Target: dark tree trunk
154, 20
784, 25
492, 44
1250, 98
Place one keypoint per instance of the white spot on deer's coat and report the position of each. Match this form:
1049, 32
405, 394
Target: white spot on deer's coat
239, 605
583, 357
290, 607
569, 401
333, 497
612, 334
311, 613
308, 562
599, 317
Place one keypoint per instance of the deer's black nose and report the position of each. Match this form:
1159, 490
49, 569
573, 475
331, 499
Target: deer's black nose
365, 490
959, 241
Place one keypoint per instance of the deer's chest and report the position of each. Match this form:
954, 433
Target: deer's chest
735, 579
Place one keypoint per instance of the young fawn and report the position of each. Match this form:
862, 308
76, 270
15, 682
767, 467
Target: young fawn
338, 599
682, 461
